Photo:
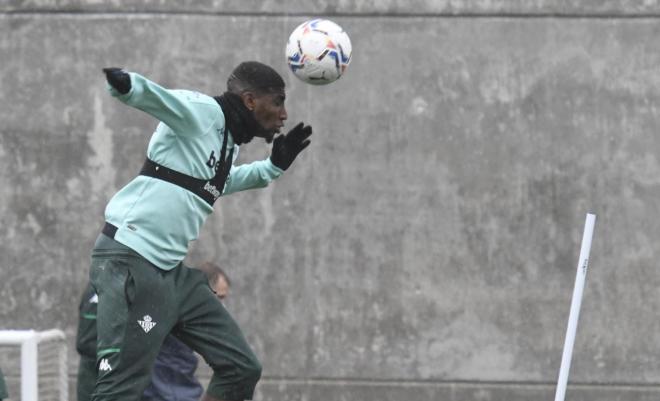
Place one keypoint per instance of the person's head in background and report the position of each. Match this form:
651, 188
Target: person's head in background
218, 279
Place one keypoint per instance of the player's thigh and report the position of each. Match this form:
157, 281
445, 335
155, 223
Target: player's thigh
208, 328
135, 313
110, 276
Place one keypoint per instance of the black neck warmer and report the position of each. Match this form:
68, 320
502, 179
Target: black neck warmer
238, 119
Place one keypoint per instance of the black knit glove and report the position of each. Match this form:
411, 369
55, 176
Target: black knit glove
286, 147
118, 79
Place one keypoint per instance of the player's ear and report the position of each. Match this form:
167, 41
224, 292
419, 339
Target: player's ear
249, 100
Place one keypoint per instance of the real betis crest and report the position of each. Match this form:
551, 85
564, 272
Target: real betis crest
147, 324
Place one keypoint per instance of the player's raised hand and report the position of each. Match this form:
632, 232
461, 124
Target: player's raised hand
287, 147
118, 79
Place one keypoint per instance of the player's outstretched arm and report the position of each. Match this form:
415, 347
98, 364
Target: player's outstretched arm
287, 147
174, 108
260, 173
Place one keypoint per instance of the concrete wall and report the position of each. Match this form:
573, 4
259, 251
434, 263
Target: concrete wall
425, 246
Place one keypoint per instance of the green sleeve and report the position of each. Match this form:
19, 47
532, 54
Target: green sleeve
254, 175
187, 113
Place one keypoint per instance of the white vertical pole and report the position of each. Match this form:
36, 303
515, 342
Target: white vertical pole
29, 373
574, 314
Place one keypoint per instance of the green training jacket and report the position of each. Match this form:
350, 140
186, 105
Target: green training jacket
158, 219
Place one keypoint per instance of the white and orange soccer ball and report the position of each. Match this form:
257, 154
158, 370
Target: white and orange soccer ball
318, 51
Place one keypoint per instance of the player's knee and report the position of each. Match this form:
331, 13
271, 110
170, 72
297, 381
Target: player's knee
252, 371
248, 371
243, 380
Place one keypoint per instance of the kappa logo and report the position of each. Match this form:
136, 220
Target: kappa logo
146, 323
105, 365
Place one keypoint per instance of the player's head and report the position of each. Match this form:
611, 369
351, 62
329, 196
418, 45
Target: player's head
218, 279
263, 92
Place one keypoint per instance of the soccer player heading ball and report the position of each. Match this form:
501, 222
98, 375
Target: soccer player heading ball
144, 290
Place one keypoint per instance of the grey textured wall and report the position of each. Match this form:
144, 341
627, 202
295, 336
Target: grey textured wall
425, 246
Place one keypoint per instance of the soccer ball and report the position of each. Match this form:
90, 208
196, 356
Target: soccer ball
318, 51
